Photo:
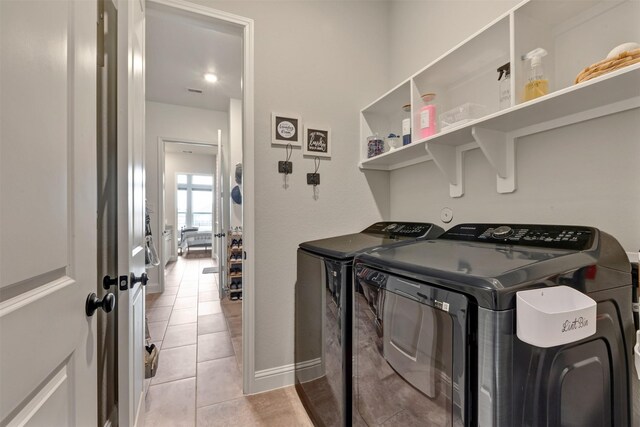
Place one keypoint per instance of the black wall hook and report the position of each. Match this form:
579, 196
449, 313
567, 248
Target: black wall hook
314, 178
286, 167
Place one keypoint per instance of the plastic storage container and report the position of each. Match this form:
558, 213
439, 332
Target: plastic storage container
548, 317
462, 114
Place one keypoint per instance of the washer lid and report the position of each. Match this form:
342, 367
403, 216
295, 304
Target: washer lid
492, 272
375, 236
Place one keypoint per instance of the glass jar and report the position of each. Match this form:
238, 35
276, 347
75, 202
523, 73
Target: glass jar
375, 146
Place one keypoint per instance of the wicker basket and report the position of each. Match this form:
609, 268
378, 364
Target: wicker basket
607, 65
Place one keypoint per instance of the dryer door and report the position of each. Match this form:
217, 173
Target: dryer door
410, 343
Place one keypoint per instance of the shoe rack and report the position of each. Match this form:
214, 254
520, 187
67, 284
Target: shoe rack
234, 264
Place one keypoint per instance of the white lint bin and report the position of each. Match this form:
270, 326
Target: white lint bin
548, 317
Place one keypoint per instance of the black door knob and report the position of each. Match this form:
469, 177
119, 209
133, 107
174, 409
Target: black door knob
220, 235
143, 278
107, 304
108, 281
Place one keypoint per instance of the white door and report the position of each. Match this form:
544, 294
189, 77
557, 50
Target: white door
220, 232
47, 212
131, 204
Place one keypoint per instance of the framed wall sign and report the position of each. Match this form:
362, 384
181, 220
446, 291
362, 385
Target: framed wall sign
286, 129
317, 141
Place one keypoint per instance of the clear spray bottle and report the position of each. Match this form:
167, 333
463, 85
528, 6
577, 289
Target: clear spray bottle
504, 86
537, 84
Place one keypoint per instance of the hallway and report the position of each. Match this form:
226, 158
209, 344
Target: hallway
199, 377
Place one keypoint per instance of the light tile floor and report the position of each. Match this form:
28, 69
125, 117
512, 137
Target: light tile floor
199, 378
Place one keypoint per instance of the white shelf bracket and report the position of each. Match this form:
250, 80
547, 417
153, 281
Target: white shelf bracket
449, 161
499, 149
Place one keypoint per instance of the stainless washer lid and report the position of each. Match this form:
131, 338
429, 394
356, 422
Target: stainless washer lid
380, 234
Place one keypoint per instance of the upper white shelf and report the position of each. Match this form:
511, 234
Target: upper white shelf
391, 102
601, 96
404, 156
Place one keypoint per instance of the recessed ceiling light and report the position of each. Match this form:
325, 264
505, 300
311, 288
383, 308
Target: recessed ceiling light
211, 78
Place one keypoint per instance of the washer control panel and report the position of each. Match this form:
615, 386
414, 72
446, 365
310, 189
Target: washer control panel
550, 236
400, 229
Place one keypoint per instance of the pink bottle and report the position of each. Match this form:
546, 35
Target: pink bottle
427, 117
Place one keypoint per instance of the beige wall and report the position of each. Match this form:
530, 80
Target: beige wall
584, 174
323, 60
422, 30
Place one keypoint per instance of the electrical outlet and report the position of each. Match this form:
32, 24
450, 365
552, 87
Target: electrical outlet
285, 167
313, 178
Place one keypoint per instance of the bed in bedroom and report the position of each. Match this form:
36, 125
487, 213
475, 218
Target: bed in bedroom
194, 238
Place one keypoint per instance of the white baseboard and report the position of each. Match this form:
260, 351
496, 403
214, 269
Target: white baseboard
283, 376
153, 288
273, 378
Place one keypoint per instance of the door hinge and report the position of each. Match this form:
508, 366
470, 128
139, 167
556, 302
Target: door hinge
100, 38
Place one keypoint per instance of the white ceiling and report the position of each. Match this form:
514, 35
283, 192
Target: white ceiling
187, 148
180, 49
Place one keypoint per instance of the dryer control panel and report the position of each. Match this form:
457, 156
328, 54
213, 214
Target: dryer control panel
549, 236
399, 230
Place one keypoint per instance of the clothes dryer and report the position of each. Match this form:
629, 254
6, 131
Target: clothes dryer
323, 314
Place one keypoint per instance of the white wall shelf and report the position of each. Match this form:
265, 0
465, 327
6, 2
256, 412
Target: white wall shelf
531, 24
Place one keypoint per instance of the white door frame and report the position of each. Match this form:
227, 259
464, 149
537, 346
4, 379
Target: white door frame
248, 202
162, 141
131, 210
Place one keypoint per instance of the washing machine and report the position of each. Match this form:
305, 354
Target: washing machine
323, 314
496, 325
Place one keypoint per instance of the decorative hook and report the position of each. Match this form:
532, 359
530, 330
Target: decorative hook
314, 178
286, 167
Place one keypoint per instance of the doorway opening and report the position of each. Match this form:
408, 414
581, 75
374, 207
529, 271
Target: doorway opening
195, 71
